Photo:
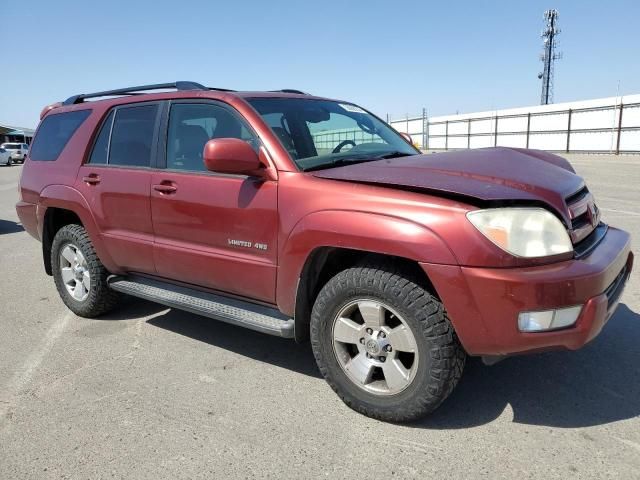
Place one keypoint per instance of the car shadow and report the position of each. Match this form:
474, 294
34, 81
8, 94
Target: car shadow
596, 385
282, 352
8, 226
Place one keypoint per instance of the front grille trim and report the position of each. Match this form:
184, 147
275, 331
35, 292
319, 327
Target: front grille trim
591, 241
577, 196
580, 206
614, 291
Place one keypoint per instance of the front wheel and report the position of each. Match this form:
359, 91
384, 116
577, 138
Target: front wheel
80, 277
384, 343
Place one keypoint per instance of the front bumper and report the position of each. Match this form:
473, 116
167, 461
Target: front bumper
483, 303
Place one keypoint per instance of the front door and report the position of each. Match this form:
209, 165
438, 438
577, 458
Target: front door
213, 230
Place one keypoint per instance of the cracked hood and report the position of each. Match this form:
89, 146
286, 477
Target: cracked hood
488, 174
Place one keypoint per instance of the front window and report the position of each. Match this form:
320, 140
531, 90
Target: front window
192, 125
323, 133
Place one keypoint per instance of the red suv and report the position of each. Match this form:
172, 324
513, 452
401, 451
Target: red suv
302, 217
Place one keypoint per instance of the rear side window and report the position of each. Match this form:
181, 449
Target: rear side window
54, 133
132, 136
101, 147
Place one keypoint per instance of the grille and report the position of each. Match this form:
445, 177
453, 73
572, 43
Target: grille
584, 214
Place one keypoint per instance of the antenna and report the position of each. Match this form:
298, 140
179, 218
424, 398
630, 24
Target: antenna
549, 55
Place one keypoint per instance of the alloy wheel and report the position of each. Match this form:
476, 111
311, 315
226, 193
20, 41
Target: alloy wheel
375, 347
75, 272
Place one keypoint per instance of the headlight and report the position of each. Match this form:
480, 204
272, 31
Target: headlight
523, 232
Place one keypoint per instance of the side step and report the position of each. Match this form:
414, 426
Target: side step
230, 310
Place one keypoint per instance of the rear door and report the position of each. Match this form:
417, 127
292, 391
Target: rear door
213, 230
116, 182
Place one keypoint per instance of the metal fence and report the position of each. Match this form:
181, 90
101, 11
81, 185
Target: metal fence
328, 140
613, 128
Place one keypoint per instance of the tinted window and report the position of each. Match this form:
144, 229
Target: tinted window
132, 135
192, 125
101, 147
54, 133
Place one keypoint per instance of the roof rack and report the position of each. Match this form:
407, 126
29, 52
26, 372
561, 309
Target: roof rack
180, 85
291, 90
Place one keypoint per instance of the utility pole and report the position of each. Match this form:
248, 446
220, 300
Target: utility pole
549, 55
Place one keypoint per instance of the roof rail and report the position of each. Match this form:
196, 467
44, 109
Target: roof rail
181, 85
291, 90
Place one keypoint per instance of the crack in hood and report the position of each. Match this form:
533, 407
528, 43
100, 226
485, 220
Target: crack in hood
489, 174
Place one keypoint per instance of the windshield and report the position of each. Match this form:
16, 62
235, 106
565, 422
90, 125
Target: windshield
11, 146
324, 134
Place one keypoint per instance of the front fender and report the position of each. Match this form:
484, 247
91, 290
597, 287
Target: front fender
68, 198
368, 232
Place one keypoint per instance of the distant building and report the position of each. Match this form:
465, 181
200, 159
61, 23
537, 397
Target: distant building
15, 134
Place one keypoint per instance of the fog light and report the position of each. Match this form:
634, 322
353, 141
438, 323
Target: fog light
548, 319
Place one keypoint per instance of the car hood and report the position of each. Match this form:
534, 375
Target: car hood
488, 174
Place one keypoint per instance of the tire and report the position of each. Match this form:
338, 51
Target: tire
91, 296
428, 375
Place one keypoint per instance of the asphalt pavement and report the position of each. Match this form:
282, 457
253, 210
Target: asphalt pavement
150, 392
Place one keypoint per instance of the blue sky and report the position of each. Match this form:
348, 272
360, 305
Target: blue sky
392, 57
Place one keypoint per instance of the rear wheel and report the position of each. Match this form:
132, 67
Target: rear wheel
80, 277
384, 343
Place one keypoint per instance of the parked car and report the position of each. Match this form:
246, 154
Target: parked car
5, 157
18, 151
305, 217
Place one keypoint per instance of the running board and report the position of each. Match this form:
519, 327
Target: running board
237, 312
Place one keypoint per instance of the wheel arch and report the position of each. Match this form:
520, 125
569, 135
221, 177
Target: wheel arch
61, 205
325, 262
326, 242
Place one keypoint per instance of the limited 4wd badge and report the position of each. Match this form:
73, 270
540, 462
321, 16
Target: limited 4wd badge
246, 244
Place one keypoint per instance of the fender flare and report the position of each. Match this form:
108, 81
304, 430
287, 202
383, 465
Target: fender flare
68, 198
355, 230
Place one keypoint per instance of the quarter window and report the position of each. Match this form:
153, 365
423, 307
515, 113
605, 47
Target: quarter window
54, 134
192, 125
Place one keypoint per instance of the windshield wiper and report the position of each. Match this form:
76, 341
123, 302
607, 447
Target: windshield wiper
340, 162
361, 158
393, 154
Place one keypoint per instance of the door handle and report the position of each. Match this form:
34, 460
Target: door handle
165, 188
91, 179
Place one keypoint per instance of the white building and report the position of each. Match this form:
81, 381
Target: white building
601, 125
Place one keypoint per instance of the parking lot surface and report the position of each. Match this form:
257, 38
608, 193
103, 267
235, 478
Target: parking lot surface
150, 392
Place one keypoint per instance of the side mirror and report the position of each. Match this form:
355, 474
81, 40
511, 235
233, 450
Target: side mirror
231, 155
